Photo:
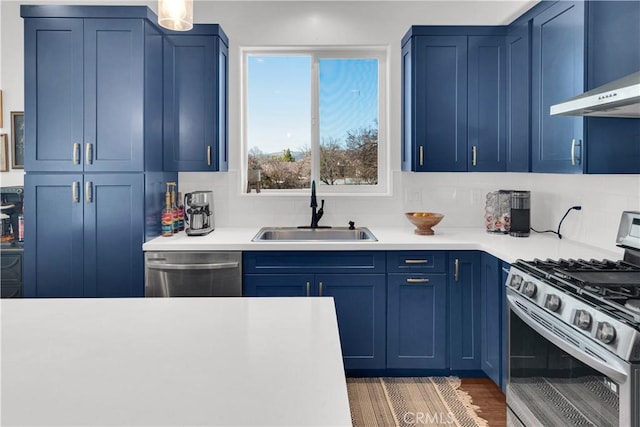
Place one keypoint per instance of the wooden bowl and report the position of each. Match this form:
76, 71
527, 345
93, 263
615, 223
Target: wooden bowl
424, 221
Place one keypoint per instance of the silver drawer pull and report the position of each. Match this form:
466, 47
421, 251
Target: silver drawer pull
411, 280
416, 261
214, 266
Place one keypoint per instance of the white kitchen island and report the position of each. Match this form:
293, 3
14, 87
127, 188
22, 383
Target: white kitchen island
172, 362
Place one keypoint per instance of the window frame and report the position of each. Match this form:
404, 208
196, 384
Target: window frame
381, 53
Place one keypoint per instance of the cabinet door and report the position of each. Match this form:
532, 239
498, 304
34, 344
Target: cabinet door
114, 95
113, 235
504, 335
278, 285
464, 310
408, 150
486, 101
491, 316
440, 109
53, 55
614, 52
557, 75
416, 321
360, 309
190, 64
220, 147
53, 248
518, 99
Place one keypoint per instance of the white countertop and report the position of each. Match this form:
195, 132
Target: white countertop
502, 246
172, 362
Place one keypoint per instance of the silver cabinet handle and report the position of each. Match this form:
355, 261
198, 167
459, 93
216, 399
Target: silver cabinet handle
456, 269
506, 270
208, 155
87, 192
412, 280
474, 155
575, 159
416, 261
320, 293
213, 266
74, 192
88, 153
308, 289
76, 153
421, 150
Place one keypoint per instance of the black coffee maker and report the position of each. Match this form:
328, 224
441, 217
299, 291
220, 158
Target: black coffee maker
11, 199
520, 213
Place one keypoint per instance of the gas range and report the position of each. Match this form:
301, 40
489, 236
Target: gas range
600, 299
574, 338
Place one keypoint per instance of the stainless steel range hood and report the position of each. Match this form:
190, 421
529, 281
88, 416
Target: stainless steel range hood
620, 98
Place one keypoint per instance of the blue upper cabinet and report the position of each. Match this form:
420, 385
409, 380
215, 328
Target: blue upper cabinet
440, 108
454, 98
558, 51
195, 100
85, 100
613, 144
518, 107
54, 94
486, 104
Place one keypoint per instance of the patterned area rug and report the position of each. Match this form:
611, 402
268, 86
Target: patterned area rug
414, 402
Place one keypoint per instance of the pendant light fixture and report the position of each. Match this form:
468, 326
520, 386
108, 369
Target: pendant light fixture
176, 15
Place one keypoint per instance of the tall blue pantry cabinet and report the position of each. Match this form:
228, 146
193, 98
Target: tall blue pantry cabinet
93, 148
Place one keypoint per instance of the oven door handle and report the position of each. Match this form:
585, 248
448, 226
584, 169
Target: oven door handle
212, 266
611, 367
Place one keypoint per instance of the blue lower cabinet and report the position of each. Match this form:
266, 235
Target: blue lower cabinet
356, 281
416, 321
464, 310
85, 235
491, 316
360, 309
53, 246
504, 327
278, 285
113, 235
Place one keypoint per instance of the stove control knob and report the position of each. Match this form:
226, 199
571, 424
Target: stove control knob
529, 289
553, 302
606, 332
515, 281
582, 319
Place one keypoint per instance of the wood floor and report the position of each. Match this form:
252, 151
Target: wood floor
489, 398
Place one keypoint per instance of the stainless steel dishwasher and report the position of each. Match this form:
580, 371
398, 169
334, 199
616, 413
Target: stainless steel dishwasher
193, 274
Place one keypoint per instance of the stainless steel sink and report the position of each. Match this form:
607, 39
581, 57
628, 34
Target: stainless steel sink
334, 234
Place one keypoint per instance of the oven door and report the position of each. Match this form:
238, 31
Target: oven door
556, 379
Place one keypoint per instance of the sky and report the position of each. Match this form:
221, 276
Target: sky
279, 100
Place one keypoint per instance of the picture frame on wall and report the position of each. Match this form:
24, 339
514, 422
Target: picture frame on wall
4, 153
17, 139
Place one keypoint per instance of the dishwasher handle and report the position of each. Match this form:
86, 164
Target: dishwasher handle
208, 266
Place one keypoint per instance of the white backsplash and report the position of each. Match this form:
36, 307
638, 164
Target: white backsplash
460, 196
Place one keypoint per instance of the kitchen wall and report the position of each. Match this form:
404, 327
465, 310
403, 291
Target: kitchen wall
460, 196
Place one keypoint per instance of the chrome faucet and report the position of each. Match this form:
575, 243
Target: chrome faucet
315, 215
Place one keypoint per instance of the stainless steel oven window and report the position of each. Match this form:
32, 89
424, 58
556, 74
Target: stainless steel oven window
551, 387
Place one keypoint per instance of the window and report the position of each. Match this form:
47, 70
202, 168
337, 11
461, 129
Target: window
315, 115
